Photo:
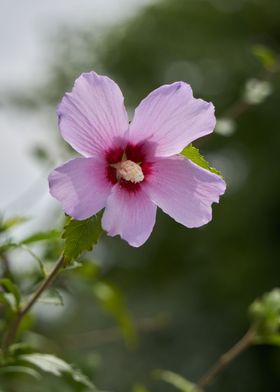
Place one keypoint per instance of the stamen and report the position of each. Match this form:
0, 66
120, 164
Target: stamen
129, 171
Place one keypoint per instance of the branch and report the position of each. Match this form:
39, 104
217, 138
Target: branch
12, 331
226, 359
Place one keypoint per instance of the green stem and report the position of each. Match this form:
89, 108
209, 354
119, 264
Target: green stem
10, 336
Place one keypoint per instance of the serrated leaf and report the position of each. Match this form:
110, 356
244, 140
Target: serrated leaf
111, 299
56, 366
41, 236
80, 236
176, 380
10, 287
193, 154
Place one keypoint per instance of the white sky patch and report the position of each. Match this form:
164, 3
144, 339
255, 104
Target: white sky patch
24, 26
24, 29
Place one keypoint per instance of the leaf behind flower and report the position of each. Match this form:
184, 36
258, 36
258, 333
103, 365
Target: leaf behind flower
80, 236
193, 154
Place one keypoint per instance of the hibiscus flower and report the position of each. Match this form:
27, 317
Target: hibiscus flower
130, 169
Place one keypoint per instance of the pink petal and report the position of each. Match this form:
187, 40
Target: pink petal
81, 186
130, 214
184, 190
170, 118
92, 118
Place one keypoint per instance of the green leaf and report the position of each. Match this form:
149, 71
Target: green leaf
51, 297
139, 388
193, 154
42, 236
111, 299
10, 223
176, 380
56, 366
265, 315
72, 266
8, 299
4, 247
48, 363
13, 245
273, 340
81, 236
10, 287
265, 55
21, 369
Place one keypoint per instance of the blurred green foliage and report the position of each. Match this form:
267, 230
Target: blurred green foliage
203, 278
265, 314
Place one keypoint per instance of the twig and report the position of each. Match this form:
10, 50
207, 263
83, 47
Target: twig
12, 331
105, 336
235, 110
226, 359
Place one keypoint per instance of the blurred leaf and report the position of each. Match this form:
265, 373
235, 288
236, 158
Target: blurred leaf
194, 155
10, 287
273, 340
90, 269
52, 297
41, 153
20, 348
265, 55
42, 236
9, 223
265, 314
176, 380
21, 369
56, 366
112, 301
8, 299
139, 388
3, 299
81, 236
7, 246
73, 265
13, 245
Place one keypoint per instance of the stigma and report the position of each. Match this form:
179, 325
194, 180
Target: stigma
129, 171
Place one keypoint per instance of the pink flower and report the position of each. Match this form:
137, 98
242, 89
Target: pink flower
130, 169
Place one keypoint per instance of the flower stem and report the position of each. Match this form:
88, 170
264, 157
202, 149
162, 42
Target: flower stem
225, 359
12, 331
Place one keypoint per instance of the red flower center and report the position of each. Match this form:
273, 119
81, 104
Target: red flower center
129, 167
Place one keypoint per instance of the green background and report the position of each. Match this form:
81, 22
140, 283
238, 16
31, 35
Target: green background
187, 290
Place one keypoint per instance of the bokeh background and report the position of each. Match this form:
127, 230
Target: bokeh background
187, 291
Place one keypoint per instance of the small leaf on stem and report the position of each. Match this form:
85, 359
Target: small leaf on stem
80, 236
178, 381
11, 288
56, 366
42, 236
265, 315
